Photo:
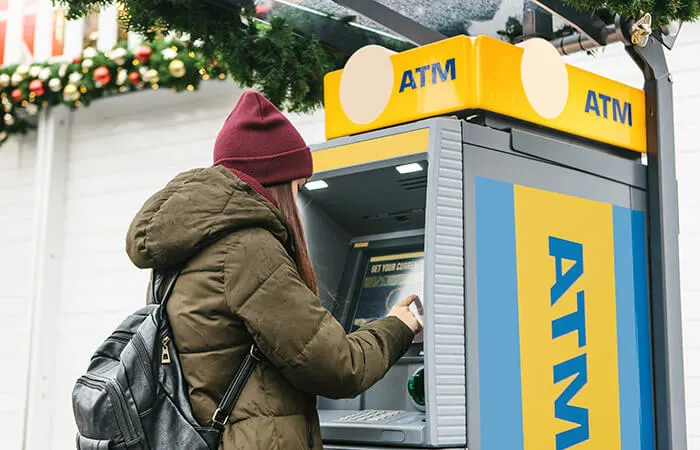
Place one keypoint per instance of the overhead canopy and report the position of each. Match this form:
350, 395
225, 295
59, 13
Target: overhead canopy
496, 18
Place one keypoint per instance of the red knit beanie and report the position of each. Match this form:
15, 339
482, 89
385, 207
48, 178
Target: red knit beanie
259, 141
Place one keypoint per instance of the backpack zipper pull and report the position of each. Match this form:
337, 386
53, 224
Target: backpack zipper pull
165, 353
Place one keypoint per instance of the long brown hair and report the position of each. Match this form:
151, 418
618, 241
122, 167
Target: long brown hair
283, 196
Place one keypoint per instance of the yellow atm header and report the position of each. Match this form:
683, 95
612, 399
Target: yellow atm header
378, 89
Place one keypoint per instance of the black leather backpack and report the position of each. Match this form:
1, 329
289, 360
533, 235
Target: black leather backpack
134, 395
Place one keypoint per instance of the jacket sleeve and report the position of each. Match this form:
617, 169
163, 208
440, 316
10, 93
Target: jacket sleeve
300, 337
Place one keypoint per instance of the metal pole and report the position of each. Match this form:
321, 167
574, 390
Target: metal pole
663, 229
578, 42
590, 24
536, 21
398, 23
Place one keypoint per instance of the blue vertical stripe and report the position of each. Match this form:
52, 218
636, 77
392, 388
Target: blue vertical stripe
500, 390
642, 307
633, 345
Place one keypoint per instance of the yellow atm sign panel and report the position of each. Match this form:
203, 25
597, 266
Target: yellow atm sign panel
563, 322
483, 73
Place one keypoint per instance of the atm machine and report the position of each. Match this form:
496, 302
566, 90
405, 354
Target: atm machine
516, 208
386, 238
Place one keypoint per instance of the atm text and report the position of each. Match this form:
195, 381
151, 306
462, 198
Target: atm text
600, 104
575, 322
439, 73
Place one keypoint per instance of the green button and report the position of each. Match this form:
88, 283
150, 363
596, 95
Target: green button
416, 387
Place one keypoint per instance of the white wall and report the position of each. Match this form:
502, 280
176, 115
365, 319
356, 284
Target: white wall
17, 161
684, 62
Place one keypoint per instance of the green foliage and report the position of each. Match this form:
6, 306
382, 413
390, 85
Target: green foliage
662, 11
76, 84
287, 67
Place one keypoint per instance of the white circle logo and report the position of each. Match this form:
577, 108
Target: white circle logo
544, 77
366, 84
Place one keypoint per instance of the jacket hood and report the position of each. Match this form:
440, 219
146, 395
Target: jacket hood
195, 209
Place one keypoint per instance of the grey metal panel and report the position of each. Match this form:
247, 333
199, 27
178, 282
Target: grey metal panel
638, 199
389, 393
328, 246
539, 174
598, 163
353, 404
559, 150
482, 136
445, 356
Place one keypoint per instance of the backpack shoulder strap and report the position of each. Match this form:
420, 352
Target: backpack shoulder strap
233, 392
162, 284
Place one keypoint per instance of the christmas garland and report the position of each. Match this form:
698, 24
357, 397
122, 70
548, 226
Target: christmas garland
27, 89
272, 56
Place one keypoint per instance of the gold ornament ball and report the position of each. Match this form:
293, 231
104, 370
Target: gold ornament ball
71, 93
152, 76
177, 68
4, 80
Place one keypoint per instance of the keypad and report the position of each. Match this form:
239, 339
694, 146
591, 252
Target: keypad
370, 416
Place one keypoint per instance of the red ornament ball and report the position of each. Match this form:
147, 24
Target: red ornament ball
102, 75
143, 53
135, 78
262, 11
77, 59
17, 95
37, 87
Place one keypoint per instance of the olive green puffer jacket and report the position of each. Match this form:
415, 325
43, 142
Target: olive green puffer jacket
240, 285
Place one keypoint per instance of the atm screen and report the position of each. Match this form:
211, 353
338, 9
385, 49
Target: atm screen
387, 280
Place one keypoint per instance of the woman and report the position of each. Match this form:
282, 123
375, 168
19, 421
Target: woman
248, 278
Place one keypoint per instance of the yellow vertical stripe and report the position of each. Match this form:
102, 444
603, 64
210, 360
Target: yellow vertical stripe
539, 215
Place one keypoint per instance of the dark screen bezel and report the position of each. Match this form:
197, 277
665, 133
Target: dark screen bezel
356, 265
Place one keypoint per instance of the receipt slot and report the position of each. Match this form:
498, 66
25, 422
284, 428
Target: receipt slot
526, 239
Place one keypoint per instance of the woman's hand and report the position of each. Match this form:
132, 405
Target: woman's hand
402, 311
